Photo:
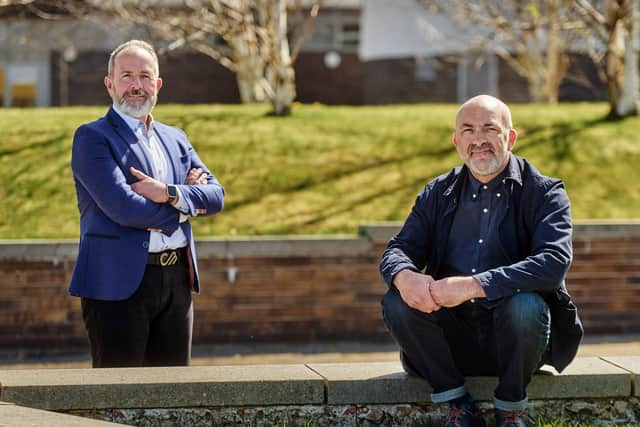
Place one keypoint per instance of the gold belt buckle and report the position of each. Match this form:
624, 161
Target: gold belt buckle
168, 258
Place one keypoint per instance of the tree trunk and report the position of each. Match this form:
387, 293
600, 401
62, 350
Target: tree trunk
280, 73
249, 80
628, 102
621, 68
555, 67
249, 66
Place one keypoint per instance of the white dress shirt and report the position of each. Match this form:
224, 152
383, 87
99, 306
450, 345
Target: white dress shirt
152, 147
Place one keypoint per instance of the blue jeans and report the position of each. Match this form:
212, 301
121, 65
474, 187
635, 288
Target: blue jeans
507, 340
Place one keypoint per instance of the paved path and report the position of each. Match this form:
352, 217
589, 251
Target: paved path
286, 353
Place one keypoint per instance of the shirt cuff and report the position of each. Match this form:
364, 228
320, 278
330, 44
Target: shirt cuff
181, 205
493, 292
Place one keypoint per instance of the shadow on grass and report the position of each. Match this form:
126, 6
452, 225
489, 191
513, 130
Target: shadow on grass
36, 144
328, 213
559, 135
316, 179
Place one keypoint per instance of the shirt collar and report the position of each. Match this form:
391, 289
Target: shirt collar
133, 122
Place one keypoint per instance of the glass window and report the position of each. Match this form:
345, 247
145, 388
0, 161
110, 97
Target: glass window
424, 71
23, 95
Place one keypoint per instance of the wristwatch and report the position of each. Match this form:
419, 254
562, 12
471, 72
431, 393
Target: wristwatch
172, 193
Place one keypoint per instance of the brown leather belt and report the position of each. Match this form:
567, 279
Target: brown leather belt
168, 257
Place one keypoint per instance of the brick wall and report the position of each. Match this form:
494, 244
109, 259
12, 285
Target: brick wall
295, 288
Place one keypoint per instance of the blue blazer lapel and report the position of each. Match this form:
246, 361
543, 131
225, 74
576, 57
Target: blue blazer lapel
131, 140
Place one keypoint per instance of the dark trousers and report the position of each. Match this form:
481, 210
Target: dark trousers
508, 340
151, 328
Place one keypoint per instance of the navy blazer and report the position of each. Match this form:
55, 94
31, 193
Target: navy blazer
114, 220
535, 233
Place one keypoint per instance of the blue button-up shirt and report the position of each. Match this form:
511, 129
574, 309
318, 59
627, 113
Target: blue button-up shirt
474, 243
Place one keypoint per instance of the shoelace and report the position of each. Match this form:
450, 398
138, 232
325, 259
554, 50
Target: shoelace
513, 417
454, 416
455, 413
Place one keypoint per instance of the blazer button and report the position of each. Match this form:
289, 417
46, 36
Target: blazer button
145, 245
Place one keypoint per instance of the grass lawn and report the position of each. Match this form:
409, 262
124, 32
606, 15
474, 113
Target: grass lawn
323, 170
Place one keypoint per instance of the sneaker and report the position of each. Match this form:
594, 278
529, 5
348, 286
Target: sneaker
463, 412
510, 418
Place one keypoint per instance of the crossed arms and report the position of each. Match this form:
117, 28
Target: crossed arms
140, 204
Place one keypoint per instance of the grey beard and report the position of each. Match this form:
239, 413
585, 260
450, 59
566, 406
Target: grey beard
135, 112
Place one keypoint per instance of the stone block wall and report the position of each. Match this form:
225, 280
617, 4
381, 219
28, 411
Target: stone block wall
295, 288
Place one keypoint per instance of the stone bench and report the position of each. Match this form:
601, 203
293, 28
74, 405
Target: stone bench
376, 393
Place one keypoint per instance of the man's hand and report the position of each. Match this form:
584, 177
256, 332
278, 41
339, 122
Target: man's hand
148, 187
196, 176
414, 290
453, 291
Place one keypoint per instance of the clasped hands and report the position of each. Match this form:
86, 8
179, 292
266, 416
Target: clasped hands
155, 190
422, 292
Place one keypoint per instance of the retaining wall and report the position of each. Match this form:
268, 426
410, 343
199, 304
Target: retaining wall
295, 288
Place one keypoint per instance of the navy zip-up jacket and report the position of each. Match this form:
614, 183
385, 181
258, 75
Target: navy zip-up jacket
534, 232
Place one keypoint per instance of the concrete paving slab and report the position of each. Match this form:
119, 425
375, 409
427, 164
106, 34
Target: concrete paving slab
386, 382
68, 389
585, 377
17, 416
630, 364
376, 382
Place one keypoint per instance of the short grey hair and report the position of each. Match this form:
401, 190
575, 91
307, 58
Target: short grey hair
129, 45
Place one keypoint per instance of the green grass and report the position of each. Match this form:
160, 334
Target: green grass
323, 170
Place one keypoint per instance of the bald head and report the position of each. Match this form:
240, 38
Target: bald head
489, 103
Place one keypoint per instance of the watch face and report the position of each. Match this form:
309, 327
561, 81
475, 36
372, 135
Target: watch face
172, 191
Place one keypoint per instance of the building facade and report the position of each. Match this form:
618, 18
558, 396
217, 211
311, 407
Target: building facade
360, 52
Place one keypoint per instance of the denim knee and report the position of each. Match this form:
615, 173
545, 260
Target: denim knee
394, 309
525, 313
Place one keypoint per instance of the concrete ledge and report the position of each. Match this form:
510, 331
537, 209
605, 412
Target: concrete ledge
263, 385
70, 389
379, 382
18, 416
60, 251
630, 364
385, 382
380, 233
283, 246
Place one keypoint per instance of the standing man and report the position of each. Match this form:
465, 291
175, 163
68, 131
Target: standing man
137, 182
476, 274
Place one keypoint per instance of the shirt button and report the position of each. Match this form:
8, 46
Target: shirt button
498, 195
473, 270
517, 290
472, 300
474, 196
485, 210
484, 187
480, 240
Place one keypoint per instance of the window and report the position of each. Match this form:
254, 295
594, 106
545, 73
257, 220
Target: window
349, 37
21, 81
477, 74
424, 70
23, 95
335, 32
